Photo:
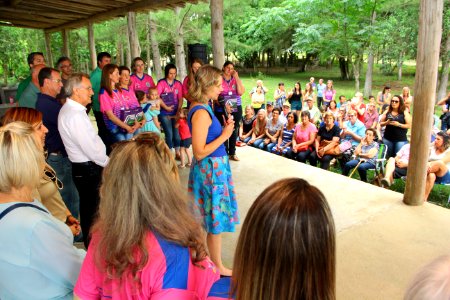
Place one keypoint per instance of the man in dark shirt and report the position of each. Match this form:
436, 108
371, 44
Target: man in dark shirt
50, 85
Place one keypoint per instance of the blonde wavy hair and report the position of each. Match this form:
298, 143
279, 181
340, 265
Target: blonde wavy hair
206, 77
140, 191
21, 155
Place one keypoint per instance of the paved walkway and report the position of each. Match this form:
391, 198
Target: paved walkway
381, 242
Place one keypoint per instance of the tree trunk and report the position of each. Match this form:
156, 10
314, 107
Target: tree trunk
128, 52
217, 39
5, 75
180, 57
343, 66
91, 40
430, 31
119, 58
48, 48
155, 48
356, 64
370, 60
135, 49
65, 38
147, 46
400, 66
443, 77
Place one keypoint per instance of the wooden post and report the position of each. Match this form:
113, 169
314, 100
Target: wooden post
91, 41
180, 57
217, 40
132, 35
430, 32
65, 38
48, 48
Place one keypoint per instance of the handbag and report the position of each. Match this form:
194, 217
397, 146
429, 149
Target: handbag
335, 150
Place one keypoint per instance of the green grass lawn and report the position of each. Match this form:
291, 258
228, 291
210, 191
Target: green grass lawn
439, 194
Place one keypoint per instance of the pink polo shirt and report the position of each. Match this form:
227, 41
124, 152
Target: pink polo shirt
168, 274
142, 84
171, 95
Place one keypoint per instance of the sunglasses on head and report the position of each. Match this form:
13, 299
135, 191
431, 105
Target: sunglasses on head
395, 101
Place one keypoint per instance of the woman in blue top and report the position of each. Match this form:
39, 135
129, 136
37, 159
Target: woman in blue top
210, 179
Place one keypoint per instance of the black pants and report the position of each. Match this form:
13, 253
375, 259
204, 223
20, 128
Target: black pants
87, 177
103, 132
230, 144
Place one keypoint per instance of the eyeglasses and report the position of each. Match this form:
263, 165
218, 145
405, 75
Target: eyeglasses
89, 88
51, 175
352, 116
56, 80
395, 101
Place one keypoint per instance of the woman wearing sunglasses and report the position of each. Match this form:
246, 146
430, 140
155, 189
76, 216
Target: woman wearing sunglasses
48, 190
397, 122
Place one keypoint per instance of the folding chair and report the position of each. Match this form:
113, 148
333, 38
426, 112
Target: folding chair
380, 163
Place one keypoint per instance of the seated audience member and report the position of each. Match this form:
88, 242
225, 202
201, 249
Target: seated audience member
303, 140
327, 141
332, 108
246, 127
352, 133
343, 103
432, 282
285, 138
269, 109
438, 162
257, 99
49, 190
286, 248
259, 129
365, 155
358, 105
314, 112
280, 95
273, 131
37, 257
371, 115
396, 167
146, 243
284, 112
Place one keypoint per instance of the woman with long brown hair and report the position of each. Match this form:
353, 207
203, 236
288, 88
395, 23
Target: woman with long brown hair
286, 249
259, 128
112, 103
140, 81
195, 64
146, 243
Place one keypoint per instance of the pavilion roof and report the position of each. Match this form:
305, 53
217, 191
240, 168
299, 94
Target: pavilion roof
55, 15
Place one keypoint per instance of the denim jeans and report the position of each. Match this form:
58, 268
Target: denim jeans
393, 147
257, 143
69, 192
118, 135
170, 132
267, 147
362, 168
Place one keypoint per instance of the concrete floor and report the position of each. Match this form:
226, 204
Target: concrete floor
381, 243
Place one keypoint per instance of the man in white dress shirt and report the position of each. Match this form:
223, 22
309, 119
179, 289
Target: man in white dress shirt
84, 147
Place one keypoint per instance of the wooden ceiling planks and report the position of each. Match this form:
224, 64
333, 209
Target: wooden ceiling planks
55, 15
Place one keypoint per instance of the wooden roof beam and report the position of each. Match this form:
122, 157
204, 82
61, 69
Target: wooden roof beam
142, 5
17, 18
47, 13
67, 7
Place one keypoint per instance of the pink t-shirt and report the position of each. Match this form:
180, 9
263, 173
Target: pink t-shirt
183, 129
302, 135
168, 274
328, 95
142, 84
171, 94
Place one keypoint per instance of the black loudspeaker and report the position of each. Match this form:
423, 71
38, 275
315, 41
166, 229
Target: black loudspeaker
198, 51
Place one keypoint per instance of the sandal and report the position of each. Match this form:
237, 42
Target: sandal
234, 157
188, 165
181, 166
